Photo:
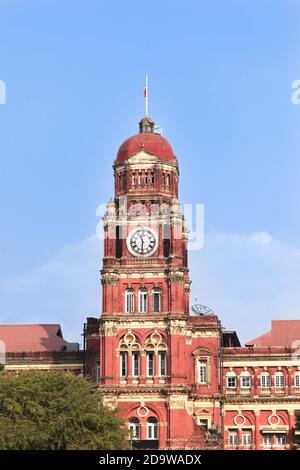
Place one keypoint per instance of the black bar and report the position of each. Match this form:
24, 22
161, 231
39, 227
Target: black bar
142, 458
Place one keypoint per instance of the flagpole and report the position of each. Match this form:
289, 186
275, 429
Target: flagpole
146, 89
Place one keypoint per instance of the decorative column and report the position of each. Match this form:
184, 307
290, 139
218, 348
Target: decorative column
257, 435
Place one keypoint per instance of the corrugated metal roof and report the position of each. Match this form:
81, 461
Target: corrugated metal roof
283, 333
39, 337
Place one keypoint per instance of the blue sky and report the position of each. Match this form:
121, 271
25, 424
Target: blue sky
220, 76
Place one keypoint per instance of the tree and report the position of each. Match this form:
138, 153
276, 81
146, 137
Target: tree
56, 410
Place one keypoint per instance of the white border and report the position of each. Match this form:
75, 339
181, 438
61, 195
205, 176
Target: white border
131, 251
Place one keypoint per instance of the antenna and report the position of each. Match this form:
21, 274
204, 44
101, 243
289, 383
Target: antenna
146, 95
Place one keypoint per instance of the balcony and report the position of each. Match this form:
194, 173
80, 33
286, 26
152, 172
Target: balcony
265, 392
279, 391
245, 392
231, 392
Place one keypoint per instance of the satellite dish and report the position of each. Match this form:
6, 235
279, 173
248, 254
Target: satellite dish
199, 309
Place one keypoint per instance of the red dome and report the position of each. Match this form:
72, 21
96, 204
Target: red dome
150, 143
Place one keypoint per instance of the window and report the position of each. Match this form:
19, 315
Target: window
231, 381
267, 440
265, 380
129, 300
203, 423
97, 371
146, 178
152, 178
281, 439
297, 380
143, 300
152, 428
202, 371
245, 381
279, 380
133, 179
162, 364
156, 299
140, 179
118, 243
168, 180
136, 364
123, 364
150, 364
134, 428
246, 438
232, 438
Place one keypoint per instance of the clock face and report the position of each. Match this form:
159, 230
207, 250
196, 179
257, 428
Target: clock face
142, 241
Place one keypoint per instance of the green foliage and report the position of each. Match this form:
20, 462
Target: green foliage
55, 410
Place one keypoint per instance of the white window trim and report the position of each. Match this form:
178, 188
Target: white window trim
129, 293
248, 377
143, 302
139, 364
202, 363
281, 380
269, 380
156, 292
231, 377
151, 427
135, 426
147, 363
160, 354
246, 434
235, 435
123, 354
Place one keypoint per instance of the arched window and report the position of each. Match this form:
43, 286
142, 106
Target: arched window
155, 345
156, 299
202, 371
134, 428
152, 178
136, 363
129, 300
124, 364
143, 300
265, 380
297, 379
152, 428
129, 349
279, 380
133, 179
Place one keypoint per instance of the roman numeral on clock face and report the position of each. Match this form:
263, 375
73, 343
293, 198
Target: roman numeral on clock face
142, 242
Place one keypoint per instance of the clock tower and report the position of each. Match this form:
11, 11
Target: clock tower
145, 271
152, 353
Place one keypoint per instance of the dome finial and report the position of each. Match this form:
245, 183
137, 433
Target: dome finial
146, 125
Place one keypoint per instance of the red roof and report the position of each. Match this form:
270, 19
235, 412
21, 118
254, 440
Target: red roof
150, 142
283, 333
32, 338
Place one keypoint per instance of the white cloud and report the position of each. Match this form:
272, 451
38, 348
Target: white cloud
248, 280
261, 238
64, 290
